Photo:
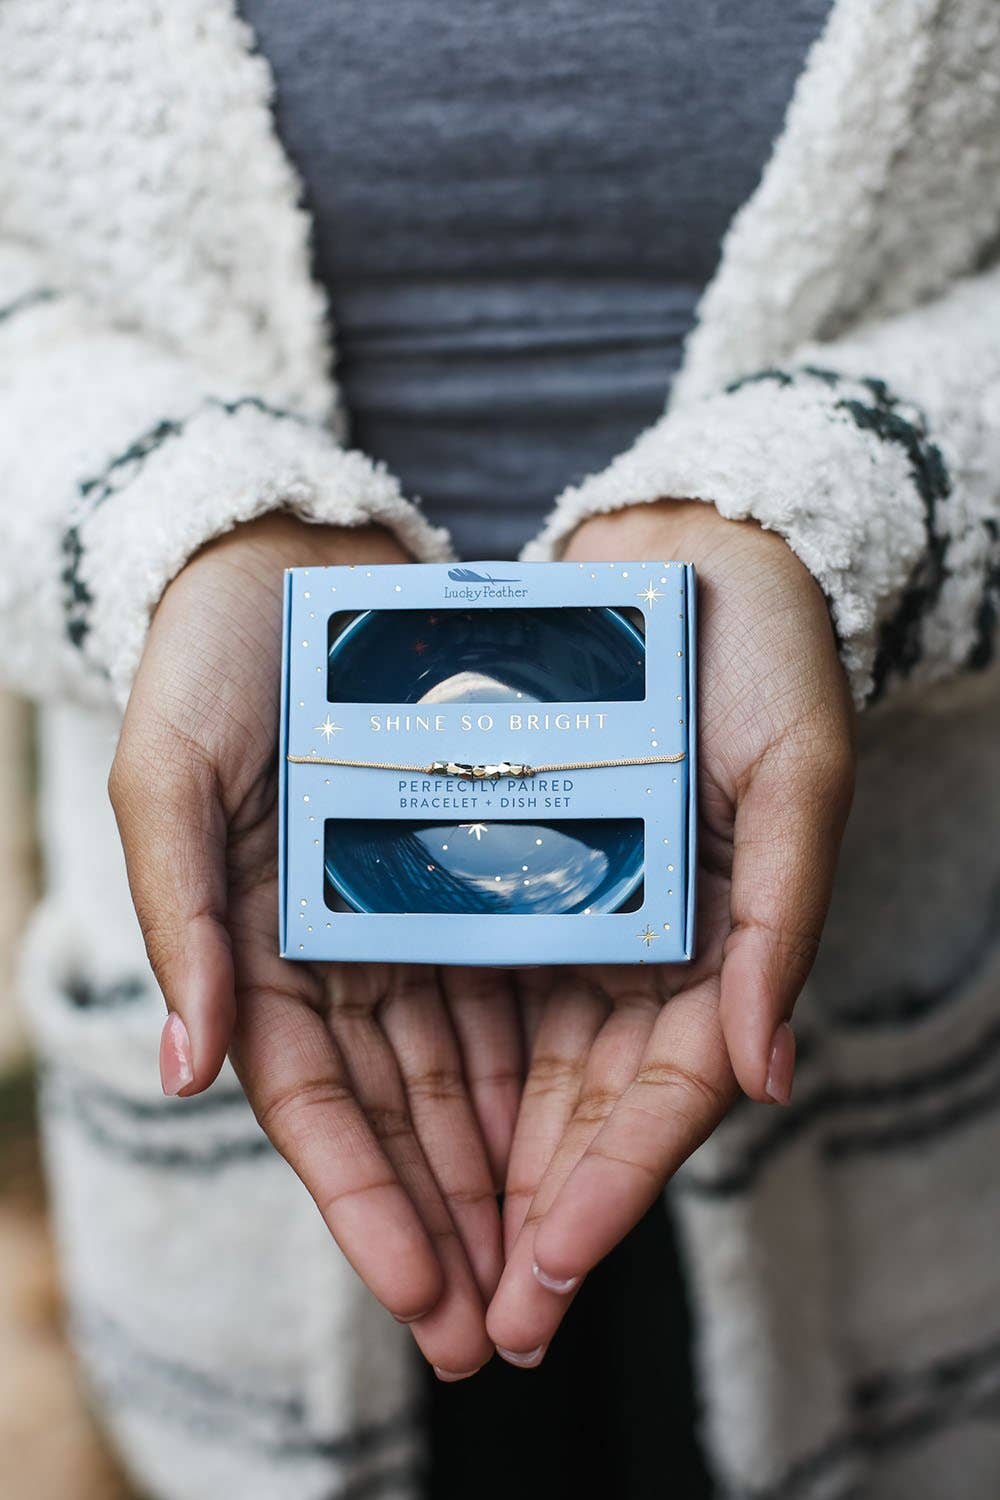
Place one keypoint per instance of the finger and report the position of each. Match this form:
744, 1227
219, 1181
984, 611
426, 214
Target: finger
483, 1011
173, 832
415, 1020
298, 1085
529, 1305
681, 1090
574, 1012
452, 1336
787, 835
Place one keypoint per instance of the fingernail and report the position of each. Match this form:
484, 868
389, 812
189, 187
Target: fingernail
781, 1066
524, 1361
176, 1065
448, 1376
553, 1283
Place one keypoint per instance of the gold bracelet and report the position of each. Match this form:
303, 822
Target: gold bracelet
488, 772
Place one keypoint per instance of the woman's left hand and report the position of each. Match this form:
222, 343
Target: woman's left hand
632, 1068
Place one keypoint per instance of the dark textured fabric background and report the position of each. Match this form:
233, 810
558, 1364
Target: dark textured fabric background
517, 207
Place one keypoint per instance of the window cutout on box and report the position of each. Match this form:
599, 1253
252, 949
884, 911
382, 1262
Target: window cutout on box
579, 866
564, 654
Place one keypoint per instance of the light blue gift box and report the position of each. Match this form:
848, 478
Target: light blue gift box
314, 730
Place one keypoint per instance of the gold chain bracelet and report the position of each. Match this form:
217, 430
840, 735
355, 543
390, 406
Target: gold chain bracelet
488, 772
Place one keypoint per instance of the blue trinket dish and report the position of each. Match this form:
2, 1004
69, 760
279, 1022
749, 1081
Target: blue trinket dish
571, 655
490, 763
575, 866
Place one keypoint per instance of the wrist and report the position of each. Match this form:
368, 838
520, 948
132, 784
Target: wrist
260, 550
287, 541
250, 560
690, 530
735, 556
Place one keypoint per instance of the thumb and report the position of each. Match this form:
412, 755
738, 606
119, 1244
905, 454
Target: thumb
173, 832
789, 822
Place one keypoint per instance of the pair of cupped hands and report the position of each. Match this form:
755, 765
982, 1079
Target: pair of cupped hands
408, 1098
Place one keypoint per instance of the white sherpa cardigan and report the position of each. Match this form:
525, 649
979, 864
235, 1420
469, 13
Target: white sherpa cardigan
165, 373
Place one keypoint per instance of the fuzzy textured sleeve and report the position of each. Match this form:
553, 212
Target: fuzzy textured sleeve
119, 460
877, 457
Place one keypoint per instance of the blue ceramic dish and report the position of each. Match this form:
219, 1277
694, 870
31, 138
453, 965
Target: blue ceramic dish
570, 655
568, 866
485, 656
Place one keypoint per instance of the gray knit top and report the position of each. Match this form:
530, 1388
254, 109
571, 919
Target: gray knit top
516, 209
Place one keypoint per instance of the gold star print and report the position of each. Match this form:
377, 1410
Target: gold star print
647, 936
328, 729
474, 828
650, 594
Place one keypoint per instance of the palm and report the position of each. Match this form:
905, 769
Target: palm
630, 1069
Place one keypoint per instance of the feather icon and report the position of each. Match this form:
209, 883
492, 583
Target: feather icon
469, 575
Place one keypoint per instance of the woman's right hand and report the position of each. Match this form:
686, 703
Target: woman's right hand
391, 1089
632, 1068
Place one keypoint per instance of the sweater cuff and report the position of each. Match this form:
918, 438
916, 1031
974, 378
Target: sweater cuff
186, 481
840, 467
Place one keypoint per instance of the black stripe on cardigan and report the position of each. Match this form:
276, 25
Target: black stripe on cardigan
27, 300
86, 994
147, 1135
116, 475
906, 1134
910, 1004
205, 1159
87, 1094
891, 1410
132, 1375
891, 420
921, 1116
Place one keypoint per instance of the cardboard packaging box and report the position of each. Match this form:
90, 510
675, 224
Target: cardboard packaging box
488, 763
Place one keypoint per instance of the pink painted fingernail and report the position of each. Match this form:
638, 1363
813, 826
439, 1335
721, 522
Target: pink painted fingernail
524, 1361
553, 1283
176, 1064
781, 1067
